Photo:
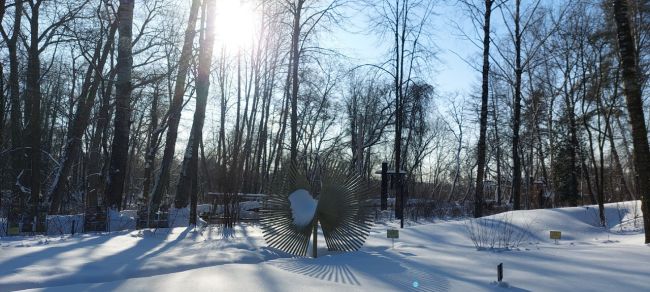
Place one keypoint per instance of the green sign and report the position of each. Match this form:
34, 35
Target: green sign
13, 231
392, 233
556, 235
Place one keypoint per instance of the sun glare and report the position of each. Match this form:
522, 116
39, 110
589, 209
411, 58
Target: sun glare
236, 24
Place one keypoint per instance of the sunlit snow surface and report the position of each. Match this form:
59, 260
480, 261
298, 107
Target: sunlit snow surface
427, 257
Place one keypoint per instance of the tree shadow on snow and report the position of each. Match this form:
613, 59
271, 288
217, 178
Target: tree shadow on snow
23, 262
378, 266
127, 263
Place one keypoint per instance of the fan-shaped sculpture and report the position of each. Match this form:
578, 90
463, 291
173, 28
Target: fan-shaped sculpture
332, 195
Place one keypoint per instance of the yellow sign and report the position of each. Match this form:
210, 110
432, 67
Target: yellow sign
392, 233
556, 235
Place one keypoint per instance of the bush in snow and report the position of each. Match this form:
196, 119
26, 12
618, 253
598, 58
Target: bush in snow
496, 232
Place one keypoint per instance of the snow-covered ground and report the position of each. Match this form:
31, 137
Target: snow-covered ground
427, 257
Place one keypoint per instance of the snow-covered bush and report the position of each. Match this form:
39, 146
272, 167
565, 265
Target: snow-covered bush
496, 232
64, 224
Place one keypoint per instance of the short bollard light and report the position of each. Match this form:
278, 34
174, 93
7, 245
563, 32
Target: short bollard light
500, 272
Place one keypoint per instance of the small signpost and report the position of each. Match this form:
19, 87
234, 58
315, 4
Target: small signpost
556, 235
500, 272
392, 233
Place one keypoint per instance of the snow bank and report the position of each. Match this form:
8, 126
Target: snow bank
64, 224
303, 207
577, 224
123, 220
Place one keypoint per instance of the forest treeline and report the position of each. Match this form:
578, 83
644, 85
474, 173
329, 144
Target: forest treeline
119, 104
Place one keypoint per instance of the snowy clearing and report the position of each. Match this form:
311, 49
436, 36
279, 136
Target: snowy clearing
427, 257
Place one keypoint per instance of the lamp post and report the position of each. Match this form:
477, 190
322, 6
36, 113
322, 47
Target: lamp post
399, 194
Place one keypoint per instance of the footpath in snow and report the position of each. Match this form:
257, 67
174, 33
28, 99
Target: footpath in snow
427, 257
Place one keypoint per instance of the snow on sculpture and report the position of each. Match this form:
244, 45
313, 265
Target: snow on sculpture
303, 207
331, 195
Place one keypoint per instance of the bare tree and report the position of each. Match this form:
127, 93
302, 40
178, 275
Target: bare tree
476, 11
87, 96
305, 20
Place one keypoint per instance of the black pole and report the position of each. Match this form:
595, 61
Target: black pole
384, 186
401, 198
500, 272
314, 248
398, 151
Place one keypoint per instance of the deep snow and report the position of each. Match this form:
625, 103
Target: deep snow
432, 257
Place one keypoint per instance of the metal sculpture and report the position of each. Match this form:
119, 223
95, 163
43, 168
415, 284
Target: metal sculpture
332, 195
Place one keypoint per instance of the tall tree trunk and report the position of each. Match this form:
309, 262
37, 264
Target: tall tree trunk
617, 163
516, 163
189, 167
130, 164
478, 191
233, 181
2, 107
123, 87
2, 93
15, 114
96, 163
279, 145
152, 146
194, 193
33, 93
592, 196
295, 55
497, 142
632, 85
175, 111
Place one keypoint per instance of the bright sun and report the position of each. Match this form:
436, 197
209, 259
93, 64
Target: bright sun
236, 24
